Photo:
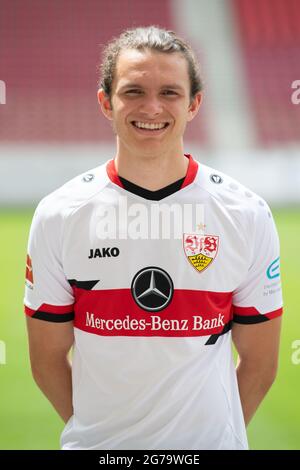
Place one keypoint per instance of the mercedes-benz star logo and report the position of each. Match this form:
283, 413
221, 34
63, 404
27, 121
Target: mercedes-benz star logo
152, 289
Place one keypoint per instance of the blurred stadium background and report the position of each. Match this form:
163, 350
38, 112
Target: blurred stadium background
51, 129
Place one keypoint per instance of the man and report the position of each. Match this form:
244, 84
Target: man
150, 306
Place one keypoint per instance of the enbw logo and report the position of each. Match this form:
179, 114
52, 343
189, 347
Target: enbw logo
273, 270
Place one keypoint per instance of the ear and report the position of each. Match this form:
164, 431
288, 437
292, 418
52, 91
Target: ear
105, 104
194, 106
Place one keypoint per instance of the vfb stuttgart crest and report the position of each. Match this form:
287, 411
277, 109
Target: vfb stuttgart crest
200, 250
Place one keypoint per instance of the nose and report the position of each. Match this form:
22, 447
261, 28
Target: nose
151, 106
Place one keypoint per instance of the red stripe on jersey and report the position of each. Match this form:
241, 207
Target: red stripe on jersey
189, 177
112, 173
115, 313
274, 314
29, 311
252, 312
191, 171
56, 309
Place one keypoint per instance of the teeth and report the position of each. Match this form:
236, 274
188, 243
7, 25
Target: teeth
144, 125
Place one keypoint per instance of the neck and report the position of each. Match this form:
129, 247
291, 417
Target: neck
152, 172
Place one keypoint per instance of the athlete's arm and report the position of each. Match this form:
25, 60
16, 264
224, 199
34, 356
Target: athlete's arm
49, 345
258, 347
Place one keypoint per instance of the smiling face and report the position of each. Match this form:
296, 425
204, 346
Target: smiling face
150, 102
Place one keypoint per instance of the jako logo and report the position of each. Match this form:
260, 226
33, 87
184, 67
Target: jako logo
104, 252
2, 92
273, 269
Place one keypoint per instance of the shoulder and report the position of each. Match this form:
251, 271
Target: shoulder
232, 195
54, 208
75, 193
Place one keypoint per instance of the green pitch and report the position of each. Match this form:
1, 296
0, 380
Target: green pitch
27, 420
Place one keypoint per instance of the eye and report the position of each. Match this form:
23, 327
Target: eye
134, 91
169, 93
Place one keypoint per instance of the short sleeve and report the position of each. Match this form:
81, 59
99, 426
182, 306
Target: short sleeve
48, 295
259, 296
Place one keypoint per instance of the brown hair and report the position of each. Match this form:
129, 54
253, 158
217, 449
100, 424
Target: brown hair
153, 38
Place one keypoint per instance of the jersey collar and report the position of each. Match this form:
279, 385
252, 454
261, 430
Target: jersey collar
189, 177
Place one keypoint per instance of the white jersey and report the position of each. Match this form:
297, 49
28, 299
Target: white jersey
152, 305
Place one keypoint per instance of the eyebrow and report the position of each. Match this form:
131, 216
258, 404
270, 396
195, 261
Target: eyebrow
172, 86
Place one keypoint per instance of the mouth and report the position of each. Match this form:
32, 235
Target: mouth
149, 128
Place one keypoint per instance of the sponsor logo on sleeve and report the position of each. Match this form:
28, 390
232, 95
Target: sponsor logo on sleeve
273, 274
273, 270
